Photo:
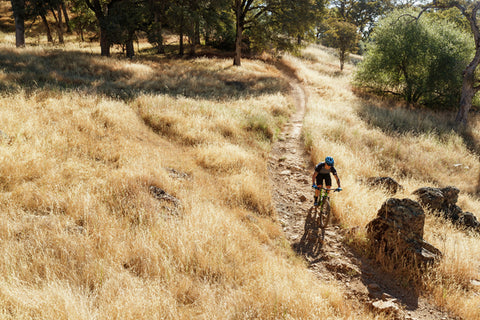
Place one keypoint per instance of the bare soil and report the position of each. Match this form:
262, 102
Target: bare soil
364, 283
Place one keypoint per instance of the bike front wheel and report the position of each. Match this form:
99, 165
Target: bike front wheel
325, 214
324, 217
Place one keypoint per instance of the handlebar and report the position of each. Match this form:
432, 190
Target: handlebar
330, 189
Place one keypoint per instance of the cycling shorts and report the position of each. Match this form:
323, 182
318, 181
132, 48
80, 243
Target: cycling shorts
323, 177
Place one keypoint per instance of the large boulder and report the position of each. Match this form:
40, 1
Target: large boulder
469, 220
432, 198
397, 233
443, 202
388, 184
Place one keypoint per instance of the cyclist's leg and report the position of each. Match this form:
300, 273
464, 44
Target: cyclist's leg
328, 182
319, 181
315, 198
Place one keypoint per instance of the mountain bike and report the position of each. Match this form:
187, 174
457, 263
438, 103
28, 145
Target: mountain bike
316, 221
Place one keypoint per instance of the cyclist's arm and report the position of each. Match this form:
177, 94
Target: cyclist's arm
338, 181
314, 176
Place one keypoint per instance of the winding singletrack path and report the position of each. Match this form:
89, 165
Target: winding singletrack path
364, 284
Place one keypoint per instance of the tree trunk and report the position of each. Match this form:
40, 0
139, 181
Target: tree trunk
181, 50
239, 33
192, 46
130, 48
158, 33
47, 27
468, 91
96, 7
104, 43
60, 25
18, 7
67, 19
342, 59
197, 31
468, 85
238, 47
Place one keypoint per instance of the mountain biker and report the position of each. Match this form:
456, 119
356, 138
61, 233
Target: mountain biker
322, 174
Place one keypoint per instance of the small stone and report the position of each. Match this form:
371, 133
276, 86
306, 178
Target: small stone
475, 283
385, 306
386, 297
373, 287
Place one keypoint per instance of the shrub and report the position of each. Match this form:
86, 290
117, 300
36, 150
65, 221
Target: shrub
419, 59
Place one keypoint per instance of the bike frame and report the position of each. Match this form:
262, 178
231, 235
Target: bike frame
324, 193
316, 221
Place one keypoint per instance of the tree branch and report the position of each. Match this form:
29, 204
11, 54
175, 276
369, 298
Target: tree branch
90, 5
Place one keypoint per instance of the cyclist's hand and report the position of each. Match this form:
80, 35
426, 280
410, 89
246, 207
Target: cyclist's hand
314, 186
339, 189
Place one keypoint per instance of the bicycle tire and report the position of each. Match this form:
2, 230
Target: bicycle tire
324, 218
325, 213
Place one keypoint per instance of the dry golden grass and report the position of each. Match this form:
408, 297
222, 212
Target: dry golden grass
367, 138
84, 138
81, 235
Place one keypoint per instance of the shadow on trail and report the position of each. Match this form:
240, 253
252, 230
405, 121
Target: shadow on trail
312, 250
384, 285
351, 266
381, 284
59, 70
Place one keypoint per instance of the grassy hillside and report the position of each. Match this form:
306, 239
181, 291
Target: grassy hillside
86, 139
84, 142
417, 148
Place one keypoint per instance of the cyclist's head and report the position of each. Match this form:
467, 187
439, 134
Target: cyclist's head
329, 161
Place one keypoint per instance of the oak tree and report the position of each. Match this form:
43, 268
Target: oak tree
470, 84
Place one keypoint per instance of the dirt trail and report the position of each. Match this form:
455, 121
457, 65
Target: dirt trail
364, 284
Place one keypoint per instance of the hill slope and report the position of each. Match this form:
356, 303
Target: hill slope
366, 284
140, 189
418, 148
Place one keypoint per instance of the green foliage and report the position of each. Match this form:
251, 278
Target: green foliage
125, 17
219, 27
362, 13
418, 59
343, 36
454, 16
347, 21
83, 18
281, 25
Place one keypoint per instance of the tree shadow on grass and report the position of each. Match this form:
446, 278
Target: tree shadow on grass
400, 120
60, 70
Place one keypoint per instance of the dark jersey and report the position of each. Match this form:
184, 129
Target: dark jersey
320, 168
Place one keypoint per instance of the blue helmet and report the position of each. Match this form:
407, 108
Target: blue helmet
329, 161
